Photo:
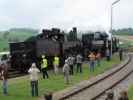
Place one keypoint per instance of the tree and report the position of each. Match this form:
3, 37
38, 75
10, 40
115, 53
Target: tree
124, 31
5, 35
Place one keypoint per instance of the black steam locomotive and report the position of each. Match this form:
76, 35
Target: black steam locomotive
98, 42
54, 42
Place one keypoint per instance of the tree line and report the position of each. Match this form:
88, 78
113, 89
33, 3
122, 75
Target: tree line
123, 31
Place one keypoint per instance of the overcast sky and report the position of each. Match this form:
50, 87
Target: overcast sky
84, 14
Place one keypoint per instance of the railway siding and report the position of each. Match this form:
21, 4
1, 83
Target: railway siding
87, 83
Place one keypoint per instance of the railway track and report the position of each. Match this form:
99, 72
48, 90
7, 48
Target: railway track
99, 87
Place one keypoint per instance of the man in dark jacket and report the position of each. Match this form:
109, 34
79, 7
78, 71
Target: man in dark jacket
121, 54
108, 54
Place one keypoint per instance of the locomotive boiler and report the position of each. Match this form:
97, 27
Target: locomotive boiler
54, 42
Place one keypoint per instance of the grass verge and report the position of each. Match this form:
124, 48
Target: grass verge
19, 88
130, 92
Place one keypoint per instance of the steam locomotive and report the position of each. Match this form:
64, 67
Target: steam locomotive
54, 42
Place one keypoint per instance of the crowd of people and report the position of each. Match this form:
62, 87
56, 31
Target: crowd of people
67, 70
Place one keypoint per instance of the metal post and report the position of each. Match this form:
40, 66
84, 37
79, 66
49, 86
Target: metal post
111, 31
111, 24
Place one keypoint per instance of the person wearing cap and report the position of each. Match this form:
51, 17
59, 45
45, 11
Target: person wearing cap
33, 71
56, 64
44, 65
66, 70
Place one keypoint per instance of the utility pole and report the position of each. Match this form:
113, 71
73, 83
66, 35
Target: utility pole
111, 23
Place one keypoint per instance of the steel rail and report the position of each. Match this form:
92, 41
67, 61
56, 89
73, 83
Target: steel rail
99, 81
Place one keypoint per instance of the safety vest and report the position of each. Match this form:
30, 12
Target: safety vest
56, 61
44, 63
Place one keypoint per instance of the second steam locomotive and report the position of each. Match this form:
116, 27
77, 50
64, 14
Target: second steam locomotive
54, 42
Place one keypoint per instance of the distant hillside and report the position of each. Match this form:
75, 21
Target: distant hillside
15, 35
124, 31
27, 30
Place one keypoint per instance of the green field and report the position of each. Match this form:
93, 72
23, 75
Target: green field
130, 93
19, 88
13, 36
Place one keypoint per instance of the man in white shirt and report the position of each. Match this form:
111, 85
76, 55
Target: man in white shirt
33, 71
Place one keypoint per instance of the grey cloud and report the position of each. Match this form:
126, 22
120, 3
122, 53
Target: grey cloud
64, 13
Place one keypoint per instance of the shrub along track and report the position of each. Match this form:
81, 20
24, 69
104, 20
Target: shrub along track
99, 87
